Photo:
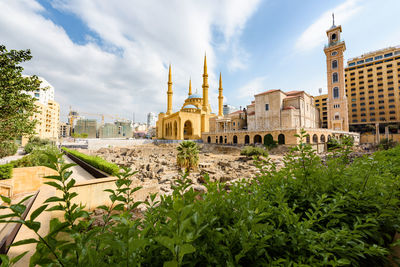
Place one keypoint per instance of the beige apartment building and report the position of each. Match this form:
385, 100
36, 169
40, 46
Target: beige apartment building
372, 87
48, 117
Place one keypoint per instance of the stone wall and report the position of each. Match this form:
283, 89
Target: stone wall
28, 179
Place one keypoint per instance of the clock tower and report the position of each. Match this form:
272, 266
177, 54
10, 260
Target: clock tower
338, 118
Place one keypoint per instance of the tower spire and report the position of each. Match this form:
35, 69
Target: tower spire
169, 92
205, 87
220, 96
190, 86
333, 19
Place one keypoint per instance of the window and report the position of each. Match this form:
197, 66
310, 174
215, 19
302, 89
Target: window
389, 71
371, 97
362, 109
363, 114
380, 90
352, 64
379, 68
372, 114
390, 89
335, 77
381, 112
363, 120
372, 119
336, 106
392, 112
354, 105
337, 117
381, 107
392, 118
360, 61
369, 70
354, 115
354, 110
391, 106
371, 102
362, 104
352, 73
378, 57
380, 96
362, 98
355, 120
334, 53
334, 64
388, 54
370, 81
353, 94
391, 94
336, 91
37, 95
362, 93
333, 37
391, 100
369, 59
371, 108
381, 101
267, 107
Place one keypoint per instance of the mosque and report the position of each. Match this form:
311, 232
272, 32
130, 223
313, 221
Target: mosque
193, 118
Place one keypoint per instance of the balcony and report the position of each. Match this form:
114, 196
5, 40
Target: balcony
334, 43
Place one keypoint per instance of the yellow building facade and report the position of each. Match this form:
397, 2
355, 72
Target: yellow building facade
193, 118
48, 118
373, 88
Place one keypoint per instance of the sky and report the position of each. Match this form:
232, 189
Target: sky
112, 57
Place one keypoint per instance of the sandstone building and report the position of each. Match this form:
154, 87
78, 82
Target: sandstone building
194, 116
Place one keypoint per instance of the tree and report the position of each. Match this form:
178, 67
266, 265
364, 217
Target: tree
188, 155
16, 107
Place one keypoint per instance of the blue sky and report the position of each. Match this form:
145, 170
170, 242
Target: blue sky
112, 56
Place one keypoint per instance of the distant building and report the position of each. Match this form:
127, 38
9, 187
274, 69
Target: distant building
124, 129
64, 130
151, 119
45, 93
227, 109
108, 130
140, 127
48, 111
88, 126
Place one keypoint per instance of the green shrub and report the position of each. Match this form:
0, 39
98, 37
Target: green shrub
6, 171
386, 144
8, 148
308, 213
35, 142
95, 161
188, 155
37, 157
253, 151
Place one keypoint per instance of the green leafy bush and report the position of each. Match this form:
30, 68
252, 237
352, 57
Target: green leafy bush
253, 151
35, 142
188, 155
308, 213
8, 148
6, 171
386, 144
95, 161
37, 157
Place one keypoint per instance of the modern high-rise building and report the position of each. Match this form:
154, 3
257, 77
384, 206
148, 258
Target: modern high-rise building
373, 88
64, 130
151, 119
321, 103
45, 93
228, 109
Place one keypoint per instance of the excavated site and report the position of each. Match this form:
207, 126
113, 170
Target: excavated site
157, 163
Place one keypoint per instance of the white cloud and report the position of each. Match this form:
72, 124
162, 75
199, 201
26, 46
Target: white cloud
314, 36
127, 72
246, 92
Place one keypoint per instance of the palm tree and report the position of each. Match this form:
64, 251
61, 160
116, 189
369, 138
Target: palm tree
188, 155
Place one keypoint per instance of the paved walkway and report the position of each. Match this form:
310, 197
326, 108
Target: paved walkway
20, 153
79, 174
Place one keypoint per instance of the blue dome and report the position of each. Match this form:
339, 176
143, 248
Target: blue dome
190, 106
194, 96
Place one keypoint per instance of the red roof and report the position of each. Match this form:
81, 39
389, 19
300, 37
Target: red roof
269, 91
251, 113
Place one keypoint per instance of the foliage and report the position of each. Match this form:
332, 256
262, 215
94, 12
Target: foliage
269, 142
37, 157
95, 161
250, 151
6, 171
8, 148
35, 142
308, 213
16, 107
188, 155
387, 143
343, 142
77, 135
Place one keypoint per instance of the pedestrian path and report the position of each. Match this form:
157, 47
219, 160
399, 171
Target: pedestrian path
79, 174
20, 153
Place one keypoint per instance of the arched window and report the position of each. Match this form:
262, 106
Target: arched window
221, 139
335, 77
333, 37
322, 138
315, 139
235, 139
209, 139
335, 92
247, 139
281, 139
334, 64
337, 117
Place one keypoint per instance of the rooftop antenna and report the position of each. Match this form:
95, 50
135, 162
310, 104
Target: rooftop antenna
333, 19
320, 91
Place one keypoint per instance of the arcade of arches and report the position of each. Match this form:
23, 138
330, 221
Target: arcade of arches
316, 136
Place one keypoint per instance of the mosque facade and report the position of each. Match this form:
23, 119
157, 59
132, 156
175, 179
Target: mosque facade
194, 116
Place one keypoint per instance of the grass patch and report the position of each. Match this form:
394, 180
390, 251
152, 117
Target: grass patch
95, 161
